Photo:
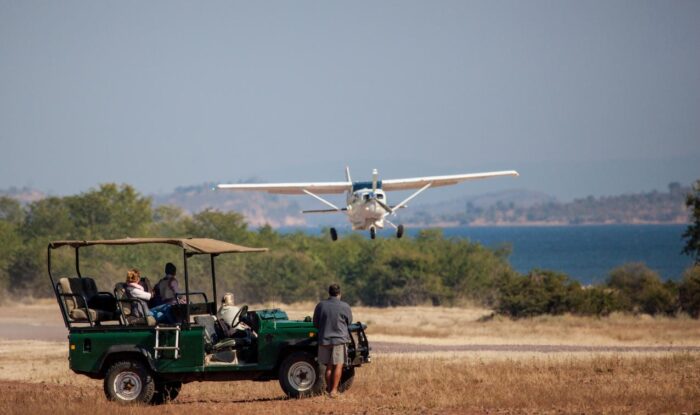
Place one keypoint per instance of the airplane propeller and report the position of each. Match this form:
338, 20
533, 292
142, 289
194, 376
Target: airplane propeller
385, 206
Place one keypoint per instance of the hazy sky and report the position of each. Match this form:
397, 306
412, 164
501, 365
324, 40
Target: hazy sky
589, 97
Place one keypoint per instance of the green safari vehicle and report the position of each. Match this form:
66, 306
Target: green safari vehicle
111, 338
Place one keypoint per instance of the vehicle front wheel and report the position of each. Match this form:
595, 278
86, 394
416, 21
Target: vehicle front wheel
129, 382
300, 376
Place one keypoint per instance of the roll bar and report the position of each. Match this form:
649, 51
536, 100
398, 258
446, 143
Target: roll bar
189, 246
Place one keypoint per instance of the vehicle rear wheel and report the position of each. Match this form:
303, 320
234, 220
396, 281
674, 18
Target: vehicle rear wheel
129, 382
166, 392
300, 376
334, 234
346, 379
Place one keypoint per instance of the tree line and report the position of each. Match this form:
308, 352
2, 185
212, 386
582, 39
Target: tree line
650, 207
426, 269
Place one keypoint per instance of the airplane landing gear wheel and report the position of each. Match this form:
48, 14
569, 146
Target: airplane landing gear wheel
399, 232
334, 234
372, 232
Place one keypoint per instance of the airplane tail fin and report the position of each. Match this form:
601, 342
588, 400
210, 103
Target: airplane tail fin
347, 174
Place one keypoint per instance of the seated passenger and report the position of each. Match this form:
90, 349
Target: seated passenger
134, 290
228, 309
165, 291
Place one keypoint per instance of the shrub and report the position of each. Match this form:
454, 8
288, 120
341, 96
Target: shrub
689, 291
640, 290
539, 292
598, 301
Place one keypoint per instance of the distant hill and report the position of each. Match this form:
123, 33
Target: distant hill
258, 208
24, 195
510, 207
531, 208
441, 210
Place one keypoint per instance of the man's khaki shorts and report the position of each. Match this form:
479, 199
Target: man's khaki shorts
332, 354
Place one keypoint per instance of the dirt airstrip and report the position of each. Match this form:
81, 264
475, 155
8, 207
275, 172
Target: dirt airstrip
425, 360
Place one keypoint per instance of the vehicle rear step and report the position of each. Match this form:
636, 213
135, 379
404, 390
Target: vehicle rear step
176, 348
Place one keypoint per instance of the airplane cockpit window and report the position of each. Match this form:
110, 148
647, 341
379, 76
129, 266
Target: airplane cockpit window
366, 196
380, 196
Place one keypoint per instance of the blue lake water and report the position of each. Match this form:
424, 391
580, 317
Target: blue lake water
586, 253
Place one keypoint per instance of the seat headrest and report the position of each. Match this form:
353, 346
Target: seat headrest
65, 285
120, 289
89, 287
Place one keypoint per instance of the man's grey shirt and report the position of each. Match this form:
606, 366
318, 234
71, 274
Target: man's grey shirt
331, 318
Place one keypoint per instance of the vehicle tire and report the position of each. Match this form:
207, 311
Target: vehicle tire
129, 382
166, 392
372, 233
334, 234
300, 376
346, 379
399, 232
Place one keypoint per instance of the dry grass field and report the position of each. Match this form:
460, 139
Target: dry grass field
34, 374
474, 325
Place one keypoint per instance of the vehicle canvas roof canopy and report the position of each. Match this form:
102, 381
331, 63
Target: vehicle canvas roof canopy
191, 245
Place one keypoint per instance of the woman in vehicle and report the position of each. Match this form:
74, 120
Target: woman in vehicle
135, 290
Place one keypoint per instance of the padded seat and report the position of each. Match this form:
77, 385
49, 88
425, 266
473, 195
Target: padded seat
225, 344
78, 314
210, 336
142, 321
213, 342
82, 301
130, 315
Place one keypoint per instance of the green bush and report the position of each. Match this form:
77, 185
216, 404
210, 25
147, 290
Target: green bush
598, 301
539, 292
549, 292
689, 291
640, 290
402, 278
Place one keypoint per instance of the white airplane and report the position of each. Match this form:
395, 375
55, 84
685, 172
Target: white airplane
367, 206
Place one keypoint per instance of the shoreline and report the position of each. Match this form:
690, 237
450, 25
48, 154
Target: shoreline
450, 225
454, 225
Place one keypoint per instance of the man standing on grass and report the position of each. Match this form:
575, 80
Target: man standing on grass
331, 318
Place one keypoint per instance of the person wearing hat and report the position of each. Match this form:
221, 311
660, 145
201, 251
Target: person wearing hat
228, 309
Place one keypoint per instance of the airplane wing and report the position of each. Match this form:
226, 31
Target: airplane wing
436, 181
290, 188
